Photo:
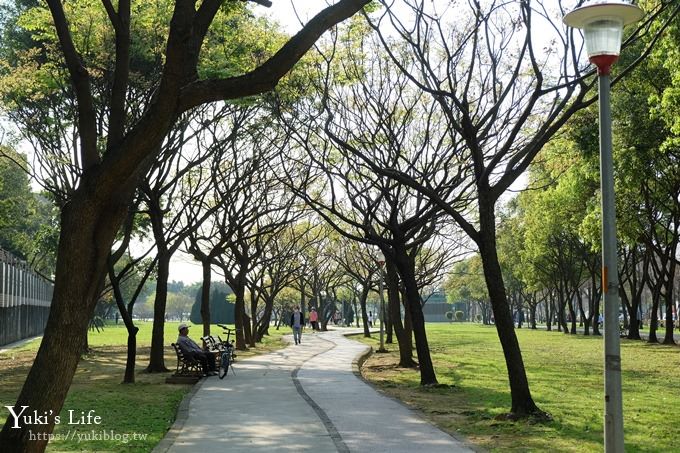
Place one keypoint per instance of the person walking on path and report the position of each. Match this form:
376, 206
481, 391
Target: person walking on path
314, 319
296, 322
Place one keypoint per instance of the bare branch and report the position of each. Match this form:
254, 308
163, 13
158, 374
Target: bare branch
265, 77
81, 83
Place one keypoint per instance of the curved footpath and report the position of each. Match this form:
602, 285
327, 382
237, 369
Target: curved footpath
303, 397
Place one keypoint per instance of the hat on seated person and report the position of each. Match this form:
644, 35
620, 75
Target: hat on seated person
183, 326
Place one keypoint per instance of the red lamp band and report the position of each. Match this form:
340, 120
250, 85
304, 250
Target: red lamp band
604, 63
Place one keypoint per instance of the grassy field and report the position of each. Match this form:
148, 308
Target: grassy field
565, 375
146, 409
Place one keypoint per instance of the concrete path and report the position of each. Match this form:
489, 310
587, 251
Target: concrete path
303, 398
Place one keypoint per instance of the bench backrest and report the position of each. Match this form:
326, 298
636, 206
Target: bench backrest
180, 354
210, 342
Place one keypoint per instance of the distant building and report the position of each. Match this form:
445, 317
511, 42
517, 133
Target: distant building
25, 299
436, 307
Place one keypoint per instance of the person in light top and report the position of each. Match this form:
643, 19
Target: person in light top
314, 319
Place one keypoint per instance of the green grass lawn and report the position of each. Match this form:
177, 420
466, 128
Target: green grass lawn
565, 375
146, 408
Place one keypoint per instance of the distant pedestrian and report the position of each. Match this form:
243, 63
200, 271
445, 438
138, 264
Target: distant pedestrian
370, 319
296, 323
314, 319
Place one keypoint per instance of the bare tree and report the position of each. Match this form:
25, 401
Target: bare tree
369, 113
504, 93
182, 177
277, 270
137, 267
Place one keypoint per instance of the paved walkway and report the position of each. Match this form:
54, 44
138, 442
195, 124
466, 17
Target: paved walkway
301, 398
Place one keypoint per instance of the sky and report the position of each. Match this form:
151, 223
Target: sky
283, 11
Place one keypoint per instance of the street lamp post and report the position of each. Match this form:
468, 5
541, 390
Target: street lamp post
381, 263
602, 23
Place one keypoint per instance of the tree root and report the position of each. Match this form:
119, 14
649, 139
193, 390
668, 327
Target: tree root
537, 416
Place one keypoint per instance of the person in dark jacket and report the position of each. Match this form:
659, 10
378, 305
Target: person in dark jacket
191, 349
296, 323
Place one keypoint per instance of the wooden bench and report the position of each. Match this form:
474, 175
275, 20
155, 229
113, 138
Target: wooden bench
188, 369
211, 344
214, 347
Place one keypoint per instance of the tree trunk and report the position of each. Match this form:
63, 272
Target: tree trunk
239, 312
654, 321
585, 319
89, 223
668, 338
265, 321
205, 296
362, 303
129, 377
157, 354
522, 402
356, 312
389, 328
406, 267
408, 325
572, 314
247, 333
253, 317
596, 295
394, 306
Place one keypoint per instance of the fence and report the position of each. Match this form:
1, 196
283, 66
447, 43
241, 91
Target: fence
25, 299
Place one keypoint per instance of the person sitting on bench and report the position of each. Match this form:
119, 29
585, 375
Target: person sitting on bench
191, 349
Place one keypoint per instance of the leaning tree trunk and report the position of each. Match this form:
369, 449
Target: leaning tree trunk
394, 306
129, 376
522, 402
406, 268
265, 321
88, 228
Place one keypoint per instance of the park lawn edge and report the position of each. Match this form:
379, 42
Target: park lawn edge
565, 375
133, 417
